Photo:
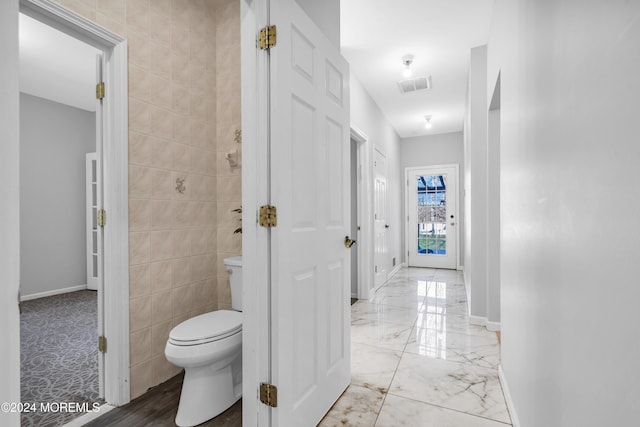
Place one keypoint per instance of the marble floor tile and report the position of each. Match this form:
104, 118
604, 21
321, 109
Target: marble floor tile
380, 334
418, 290
451, 322
459, 386
357, 407
373, 367
481, 351
409, 300
416, 360
400, 412
384, 313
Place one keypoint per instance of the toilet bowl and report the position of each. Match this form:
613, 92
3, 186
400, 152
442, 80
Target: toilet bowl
209, 348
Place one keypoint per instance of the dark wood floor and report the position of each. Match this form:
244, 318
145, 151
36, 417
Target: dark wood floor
158, 407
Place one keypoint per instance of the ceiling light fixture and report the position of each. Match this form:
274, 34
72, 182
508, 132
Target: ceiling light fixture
407, 60
428, 124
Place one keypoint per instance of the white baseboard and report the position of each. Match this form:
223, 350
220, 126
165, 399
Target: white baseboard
395, 270
492, 326
482, 321
478, 320
507, 397
53, 292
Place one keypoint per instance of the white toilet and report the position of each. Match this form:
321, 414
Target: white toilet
209, 348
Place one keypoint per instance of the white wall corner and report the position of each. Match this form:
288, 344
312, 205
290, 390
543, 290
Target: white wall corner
467, 288
507, 397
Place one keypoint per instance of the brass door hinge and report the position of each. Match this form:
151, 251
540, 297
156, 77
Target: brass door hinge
100, 90
102, 217
102, 344
267, 37
269, 394
268, 216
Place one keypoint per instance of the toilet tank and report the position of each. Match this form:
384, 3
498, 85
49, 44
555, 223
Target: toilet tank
234, 268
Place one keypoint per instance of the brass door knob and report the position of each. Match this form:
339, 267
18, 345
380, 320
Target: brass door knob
348, 242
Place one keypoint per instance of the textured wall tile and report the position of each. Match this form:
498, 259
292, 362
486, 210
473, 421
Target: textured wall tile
139, 280
161, 276
161, 245
139, 313
140, 347
139, 251
161, 214
161, 307
182, 272
141, 379
139, 214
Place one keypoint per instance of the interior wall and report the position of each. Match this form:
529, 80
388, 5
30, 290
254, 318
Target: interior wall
228, 106
367, 116
493, 211
54, 139
431, 150
9, 211
569, 172
475, 130
172, 140
326, 15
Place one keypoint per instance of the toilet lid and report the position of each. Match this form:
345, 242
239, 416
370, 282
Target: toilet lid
207, 327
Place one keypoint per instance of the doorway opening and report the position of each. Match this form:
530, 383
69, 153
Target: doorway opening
107, 136
362, 172
60, 255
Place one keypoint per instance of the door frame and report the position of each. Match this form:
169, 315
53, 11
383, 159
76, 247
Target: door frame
407, 171
365, 213
256, 323
115, 139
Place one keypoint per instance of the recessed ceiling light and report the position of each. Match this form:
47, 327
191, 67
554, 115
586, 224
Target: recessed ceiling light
428, 124
407, 60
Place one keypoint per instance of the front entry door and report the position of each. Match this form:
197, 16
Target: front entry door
310, 186
432, 218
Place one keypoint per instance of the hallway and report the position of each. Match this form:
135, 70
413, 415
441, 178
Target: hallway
416, 360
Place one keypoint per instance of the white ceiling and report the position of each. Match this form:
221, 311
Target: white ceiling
56, 66
376, 34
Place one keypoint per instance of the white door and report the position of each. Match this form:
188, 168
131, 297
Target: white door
310, 265
432, 194
94, 233
380, 220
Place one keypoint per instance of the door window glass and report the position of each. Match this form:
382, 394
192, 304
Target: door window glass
431, 214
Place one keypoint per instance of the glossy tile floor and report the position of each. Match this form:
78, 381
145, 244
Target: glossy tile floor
417, 361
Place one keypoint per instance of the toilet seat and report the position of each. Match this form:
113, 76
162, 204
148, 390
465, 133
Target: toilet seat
206, 328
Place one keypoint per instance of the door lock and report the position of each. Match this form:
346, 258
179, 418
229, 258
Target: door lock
348, 242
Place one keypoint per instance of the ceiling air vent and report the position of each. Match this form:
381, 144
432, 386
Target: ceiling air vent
412, 85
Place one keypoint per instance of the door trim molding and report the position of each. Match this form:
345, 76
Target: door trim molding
407, 171
256, 327
116, 185
365, 213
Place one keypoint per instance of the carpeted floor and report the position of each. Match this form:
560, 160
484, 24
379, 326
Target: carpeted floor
59, 355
